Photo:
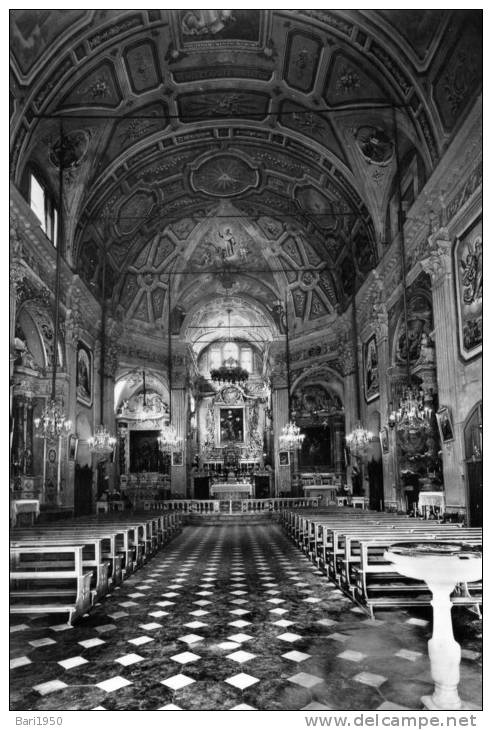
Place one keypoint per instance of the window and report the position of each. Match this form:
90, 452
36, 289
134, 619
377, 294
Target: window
215, 358
247, 359
230, 350
44, 209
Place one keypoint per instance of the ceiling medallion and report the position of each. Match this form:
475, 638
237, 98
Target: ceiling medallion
223, 176
375, 145
70, 149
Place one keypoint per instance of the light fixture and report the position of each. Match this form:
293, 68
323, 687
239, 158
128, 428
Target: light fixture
52, 423
416, 408
230, 372
102, 442
168, 439
359, 438
291, 437
414, 412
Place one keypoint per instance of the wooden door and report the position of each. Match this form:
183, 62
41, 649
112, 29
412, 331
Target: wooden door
475, 492
201, 488
82, 498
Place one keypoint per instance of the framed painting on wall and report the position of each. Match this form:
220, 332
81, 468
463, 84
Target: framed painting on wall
384, 438
371, 369
468, 281
177, 458
283, 458
231, 425
84, 374
73, 443
445, 425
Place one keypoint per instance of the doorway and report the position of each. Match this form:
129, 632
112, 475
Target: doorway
474, 471
82, 497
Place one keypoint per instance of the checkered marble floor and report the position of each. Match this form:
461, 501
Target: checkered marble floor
231, 618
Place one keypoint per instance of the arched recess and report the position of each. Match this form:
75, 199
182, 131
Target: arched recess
29, 342
34, 324
317, 407
129, 384
472, 433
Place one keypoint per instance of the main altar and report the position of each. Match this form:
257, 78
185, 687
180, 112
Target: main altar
232, 490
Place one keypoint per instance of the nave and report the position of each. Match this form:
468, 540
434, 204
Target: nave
227, 618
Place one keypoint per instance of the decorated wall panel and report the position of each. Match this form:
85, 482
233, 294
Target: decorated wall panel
468, 270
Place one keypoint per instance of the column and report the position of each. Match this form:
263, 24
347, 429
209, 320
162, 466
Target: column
338, 434
380, 325
439, 265
280, 417
346, 361
179, 420
71, 339
110, 367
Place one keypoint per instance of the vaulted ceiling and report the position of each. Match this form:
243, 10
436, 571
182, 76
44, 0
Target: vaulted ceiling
239, 153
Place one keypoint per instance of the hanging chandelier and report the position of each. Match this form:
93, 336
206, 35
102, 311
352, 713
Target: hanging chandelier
414, 413
168, 439
291, 437
230, 373
358, 439
52, 423
102, 442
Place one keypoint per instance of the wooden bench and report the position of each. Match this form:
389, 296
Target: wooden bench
46, 579
378, 585
92, 556
111, 547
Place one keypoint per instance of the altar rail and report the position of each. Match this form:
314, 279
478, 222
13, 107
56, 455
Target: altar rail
202, 506
209, 506
277, 504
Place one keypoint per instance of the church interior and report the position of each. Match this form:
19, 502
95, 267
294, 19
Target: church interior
245, 359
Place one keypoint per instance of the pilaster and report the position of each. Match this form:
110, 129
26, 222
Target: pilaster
438, 265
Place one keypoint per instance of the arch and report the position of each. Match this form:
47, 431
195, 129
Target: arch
129, 383
29, 342
334, 379
472, 434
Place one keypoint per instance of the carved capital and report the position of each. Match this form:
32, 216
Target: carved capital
346, 358
437, 262
16, 274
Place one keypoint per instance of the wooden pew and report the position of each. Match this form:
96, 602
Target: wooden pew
92, 557
343, 545
54, 589
378, 585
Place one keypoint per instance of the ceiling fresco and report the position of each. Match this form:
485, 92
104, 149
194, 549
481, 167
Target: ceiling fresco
233, 152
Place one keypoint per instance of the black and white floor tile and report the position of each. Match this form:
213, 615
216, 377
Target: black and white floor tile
231, 618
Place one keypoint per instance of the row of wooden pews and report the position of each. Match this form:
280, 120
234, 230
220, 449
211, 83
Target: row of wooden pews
350, 549
66, 568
